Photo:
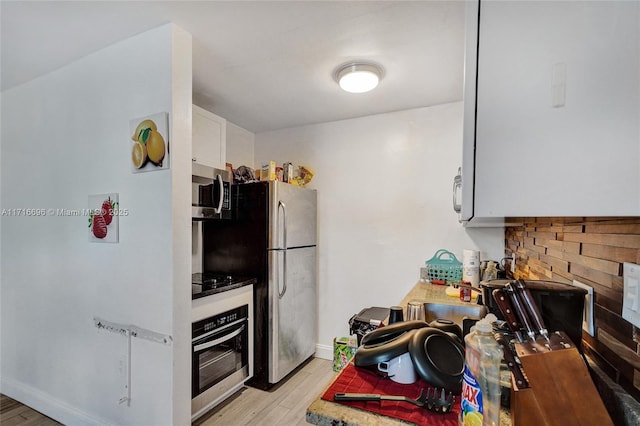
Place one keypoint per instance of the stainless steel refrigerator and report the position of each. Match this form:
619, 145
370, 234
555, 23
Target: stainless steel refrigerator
272, 236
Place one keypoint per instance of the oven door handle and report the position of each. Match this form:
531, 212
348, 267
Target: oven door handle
198, 348
220, 330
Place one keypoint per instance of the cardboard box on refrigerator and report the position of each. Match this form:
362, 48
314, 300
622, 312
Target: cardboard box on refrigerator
268, 171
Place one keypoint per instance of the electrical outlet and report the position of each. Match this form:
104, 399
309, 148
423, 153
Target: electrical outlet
587, 316
631, 296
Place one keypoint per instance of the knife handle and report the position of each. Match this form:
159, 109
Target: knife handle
506, 309
356, 397
517, 306
530, 304
515, 369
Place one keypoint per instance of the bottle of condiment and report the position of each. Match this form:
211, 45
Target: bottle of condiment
480, 400
491, 273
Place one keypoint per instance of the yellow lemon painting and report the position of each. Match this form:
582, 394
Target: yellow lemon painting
149, 144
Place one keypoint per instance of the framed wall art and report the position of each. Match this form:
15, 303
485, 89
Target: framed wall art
104, 217
149, 143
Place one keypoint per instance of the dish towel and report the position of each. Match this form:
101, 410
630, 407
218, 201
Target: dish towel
360, 380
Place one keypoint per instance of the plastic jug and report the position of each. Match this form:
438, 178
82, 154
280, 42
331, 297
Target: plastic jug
480, 401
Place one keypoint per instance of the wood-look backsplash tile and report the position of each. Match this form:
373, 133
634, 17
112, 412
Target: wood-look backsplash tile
592, 251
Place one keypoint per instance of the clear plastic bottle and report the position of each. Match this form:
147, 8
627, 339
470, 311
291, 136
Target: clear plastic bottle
491, 273
480, 401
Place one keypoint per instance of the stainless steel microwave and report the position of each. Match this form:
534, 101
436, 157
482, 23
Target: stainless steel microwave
210, 193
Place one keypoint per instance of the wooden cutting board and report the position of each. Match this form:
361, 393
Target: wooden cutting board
560, 389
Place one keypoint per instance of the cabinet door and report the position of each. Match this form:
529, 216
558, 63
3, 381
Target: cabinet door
467, 171
557, 128
209, 138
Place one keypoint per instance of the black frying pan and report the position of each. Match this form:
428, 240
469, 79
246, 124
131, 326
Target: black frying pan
368, 355
438, 358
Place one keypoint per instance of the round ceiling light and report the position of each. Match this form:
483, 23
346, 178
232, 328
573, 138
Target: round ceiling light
358, 77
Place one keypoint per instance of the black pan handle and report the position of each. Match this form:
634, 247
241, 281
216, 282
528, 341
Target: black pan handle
375, 397
356, 397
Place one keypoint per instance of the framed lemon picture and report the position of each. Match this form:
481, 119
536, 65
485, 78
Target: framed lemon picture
149, 148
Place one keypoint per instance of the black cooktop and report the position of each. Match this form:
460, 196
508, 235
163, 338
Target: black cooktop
208, 283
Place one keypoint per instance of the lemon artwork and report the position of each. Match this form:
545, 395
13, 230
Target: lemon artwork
155, 148
138, 154
142, 128
148, 145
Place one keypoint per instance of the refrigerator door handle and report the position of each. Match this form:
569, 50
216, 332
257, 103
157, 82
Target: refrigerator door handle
284, 275
284, 249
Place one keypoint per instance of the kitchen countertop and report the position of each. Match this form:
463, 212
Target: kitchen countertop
432, 293
328, 413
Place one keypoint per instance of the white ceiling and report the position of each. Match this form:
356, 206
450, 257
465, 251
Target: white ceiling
262, 65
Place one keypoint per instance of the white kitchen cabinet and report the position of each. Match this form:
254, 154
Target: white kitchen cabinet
552, 110
240, 146
209, 138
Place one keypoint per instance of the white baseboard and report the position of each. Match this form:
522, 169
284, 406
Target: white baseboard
324, 351
47, 404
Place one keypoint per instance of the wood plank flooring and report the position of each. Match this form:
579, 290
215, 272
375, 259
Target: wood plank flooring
286, 405
13, 413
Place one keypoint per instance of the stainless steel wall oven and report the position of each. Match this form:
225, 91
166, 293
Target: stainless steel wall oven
222, 347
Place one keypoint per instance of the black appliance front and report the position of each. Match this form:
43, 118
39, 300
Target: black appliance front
368, 319
210, 193
239, 247
561, 305
220, 348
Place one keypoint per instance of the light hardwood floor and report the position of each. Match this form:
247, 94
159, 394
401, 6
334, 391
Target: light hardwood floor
286, 405
13, 413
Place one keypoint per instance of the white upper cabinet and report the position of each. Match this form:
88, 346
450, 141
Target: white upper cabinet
552, 110
209, 138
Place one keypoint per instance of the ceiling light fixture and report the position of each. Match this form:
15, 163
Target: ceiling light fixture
358, 77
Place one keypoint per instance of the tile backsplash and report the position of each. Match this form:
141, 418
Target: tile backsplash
592, 251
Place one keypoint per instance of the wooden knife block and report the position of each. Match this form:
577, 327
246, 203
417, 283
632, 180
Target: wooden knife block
560, 391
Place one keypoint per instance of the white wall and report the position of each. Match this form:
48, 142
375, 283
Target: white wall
181, 154
384, 205
64, 136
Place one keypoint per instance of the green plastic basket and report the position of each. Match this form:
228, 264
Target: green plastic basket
448, 268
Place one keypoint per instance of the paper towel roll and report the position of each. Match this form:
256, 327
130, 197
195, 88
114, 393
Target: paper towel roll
471, 267
471, 258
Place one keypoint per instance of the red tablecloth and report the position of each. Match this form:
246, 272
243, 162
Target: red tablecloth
359, 380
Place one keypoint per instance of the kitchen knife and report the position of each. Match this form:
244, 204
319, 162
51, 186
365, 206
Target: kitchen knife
520, 312
509, 358
506, 309
532, 308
